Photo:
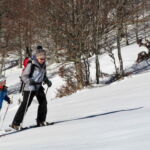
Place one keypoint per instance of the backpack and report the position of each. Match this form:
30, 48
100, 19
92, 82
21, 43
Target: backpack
26, 61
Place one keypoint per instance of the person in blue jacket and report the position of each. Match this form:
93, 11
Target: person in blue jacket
3, 92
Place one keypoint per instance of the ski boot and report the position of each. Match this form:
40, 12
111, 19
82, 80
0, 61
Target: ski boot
16, 127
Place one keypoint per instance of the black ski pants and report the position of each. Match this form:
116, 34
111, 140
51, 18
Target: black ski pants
27, 98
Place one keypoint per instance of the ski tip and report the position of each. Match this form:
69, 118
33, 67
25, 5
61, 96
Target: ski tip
8, 130
51, 123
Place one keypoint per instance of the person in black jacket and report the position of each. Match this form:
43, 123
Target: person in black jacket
33, 87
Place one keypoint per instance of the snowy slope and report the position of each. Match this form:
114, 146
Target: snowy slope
112, 117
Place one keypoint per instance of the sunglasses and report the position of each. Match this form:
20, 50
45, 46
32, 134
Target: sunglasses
42, 59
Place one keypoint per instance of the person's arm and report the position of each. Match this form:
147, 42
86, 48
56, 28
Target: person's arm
46, 80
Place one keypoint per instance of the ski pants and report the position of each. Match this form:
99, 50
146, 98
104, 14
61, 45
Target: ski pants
27, 99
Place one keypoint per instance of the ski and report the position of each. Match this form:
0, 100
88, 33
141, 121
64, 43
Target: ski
35, 126
12, 131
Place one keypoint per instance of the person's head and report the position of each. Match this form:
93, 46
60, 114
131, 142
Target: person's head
41, 56
2, 81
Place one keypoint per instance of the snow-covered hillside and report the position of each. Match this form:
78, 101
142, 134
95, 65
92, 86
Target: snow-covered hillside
110, 117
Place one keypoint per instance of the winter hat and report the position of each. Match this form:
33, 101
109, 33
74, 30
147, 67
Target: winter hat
39, 47
40, 53
2, 78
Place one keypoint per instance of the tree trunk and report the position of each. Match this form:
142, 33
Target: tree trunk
87, 71
97, 69
126, 34
79, 74
121, 70
2, 63
114, 61
20, 48
136, 30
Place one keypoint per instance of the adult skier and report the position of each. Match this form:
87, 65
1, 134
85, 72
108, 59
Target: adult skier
33, 76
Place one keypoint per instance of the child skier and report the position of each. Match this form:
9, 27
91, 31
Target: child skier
3, 92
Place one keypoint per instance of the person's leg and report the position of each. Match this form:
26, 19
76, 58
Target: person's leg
42, 109
27, 98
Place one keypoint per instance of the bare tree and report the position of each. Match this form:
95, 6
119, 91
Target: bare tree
69, 21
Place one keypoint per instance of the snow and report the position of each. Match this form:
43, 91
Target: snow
106, 117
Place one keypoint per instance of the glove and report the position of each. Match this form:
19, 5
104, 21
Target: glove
10, 101
49, 83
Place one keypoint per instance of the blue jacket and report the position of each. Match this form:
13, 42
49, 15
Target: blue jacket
4, 96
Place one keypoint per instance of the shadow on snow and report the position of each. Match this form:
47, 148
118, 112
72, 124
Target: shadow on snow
98, 115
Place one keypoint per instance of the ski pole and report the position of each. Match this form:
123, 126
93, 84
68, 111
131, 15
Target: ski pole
26, 108
4, 116
46, 90
0, 114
